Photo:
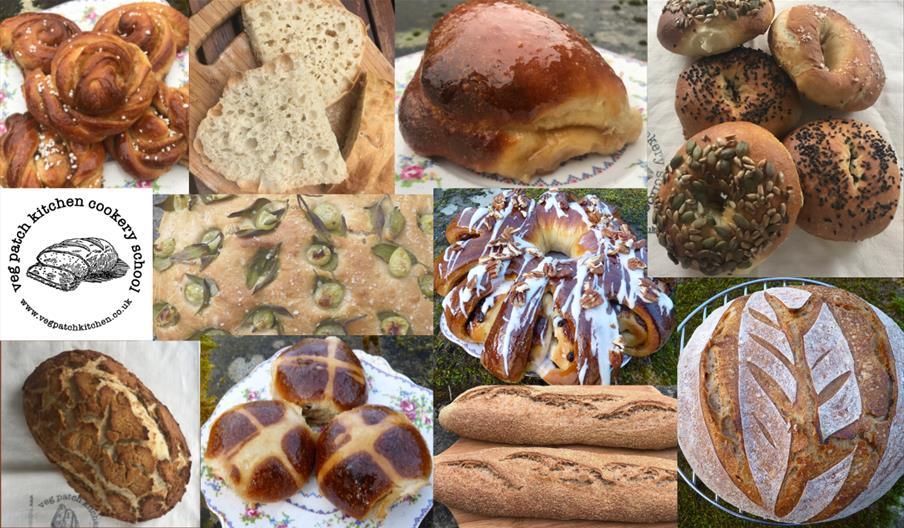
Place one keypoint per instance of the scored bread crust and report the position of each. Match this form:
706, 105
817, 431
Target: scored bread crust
608, 416
135, 464
785, 457
370, 288
540, 95
270, 132
558, 483
321, 32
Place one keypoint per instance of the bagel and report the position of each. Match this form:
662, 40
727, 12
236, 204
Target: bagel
849, 176
743, 84
708, 27
829, 58
728, 199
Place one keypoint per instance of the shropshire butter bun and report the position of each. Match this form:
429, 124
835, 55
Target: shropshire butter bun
707, 27
743, 84
505, 88
850, 179
729, 198
832, 62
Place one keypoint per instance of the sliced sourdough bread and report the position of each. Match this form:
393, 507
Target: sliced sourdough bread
328, 37
269, 132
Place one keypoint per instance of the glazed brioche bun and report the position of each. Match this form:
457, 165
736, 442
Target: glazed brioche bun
699, 28
729, 198
743, 84
832, 62
850, 179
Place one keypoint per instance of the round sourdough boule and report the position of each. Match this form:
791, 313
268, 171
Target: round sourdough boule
322, 376
263, 450
790, 403
832, 62
743, 84
849, 176
729, 198
370, 457
696, 28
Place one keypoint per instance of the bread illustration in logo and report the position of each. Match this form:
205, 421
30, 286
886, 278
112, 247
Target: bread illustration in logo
67, 264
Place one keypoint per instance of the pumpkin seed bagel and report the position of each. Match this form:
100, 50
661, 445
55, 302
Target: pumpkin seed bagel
729, 197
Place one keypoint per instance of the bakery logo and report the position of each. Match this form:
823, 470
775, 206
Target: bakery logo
75, 263
61, 511
66, 264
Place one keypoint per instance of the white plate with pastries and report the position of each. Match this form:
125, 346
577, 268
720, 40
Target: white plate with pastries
308, 507
85, 14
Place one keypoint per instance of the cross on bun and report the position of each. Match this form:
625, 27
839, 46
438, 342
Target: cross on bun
264, 450
370, 457
323, 376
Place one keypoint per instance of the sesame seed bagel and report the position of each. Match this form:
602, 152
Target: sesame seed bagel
728, 199
849, 176
743, 84
707, 27
829, 58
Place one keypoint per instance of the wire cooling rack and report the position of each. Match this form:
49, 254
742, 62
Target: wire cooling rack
685, 329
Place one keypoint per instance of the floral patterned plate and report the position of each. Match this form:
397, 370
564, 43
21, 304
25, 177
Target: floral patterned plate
308, 508
624, 169
85, 13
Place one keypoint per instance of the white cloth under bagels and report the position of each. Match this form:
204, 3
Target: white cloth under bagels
801, 253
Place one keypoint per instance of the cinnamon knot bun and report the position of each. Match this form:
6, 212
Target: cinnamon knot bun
98, 86
157, 141
33, 38
159, 30
32, 155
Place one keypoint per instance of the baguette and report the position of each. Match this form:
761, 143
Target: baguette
558, 483
270, 132
608, 416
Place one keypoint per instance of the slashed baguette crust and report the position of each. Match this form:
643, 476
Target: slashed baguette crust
564, 484
609, 416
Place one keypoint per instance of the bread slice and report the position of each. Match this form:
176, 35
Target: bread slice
328, 37
269, 132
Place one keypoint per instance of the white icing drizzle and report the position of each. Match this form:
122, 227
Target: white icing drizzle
621, 280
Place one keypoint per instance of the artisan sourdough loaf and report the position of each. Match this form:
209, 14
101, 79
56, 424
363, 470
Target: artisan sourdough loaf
558, 483
117, 445
328, 38
611, 416
270, 132
791, 403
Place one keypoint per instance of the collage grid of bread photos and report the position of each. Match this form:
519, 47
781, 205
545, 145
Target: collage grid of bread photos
451, 263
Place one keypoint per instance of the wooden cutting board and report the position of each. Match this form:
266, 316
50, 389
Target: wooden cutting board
470, 520
370, 160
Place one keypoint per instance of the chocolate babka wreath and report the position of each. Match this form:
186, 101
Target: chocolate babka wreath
511, 301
